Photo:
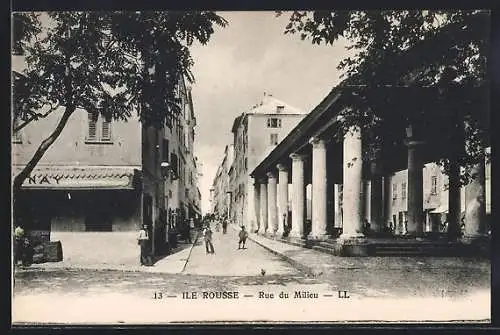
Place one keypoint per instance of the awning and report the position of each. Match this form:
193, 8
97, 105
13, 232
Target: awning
79, 177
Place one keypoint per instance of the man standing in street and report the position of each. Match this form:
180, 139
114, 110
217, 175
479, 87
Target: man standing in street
18, 244
224, 225
243, 235
207, 235
142, 240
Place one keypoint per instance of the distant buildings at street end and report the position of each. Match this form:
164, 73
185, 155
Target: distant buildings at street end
255, 133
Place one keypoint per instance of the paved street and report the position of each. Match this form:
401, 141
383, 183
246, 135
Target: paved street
228, 260
381, 289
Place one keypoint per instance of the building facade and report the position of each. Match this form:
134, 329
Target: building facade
222, 190
102, 179
339, 192
255, 133
183, 199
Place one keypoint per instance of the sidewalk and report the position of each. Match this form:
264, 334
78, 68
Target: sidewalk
172, 264
316, 263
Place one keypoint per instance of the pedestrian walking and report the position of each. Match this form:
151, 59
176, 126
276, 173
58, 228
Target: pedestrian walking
207, 236
243, 237
224, 226
143, 240
18, 244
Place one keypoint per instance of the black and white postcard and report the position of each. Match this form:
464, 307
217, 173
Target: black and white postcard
251, 166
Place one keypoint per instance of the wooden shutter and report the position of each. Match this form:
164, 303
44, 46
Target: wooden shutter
165, 150
174, 163
92, 133
106, 130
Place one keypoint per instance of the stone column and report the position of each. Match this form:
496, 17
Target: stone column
282, 197
352, 221
263, 206
376, 201
475, 209
272, 210
298, 195
338, 205
319, 188
415, 186
256, 205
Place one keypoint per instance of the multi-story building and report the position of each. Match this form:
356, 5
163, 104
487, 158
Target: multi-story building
255, 134
183, 195
435, 187
222, 191
101, 179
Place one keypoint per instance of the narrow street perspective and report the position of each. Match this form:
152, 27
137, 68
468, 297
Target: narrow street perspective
251, 167
228, 260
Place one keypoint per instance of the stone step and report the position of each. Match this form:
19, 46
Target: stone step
325, 249
295, 242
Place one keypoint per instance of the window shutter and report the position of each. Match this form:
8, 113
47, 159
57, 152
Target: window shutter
165, 150
174, 163
106, 130
92, 133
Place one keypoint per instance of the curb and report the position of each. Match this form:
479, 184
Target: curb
308, 270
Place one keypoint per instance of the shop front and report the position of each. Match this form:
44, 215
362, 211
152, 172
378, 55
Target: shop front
94, 212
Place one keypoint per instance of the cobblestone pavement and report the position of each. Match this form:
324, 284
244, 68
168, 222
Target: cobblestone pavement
390, 276
381, 289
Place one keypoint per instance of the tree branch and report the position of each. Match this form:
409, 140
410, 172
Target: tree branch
44, 146
36, 116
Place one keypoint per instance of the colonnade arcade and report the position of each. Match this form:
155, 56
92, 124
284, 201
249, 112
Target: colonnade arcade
325, 164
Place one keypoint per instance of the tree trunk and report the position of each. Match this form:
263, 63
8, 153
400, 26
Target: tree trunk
454, 200
44, 146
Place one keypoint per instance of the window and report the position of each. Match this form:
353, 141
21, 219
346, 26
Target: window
246, 161
434, 185
273, 122
95, 124
274, 139
403, 191
174, 164
165, 148
394, 191
106, 130
280, 109
92, 133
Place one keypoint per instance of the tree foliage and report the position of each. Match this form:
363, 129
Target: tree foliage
421, 67
105, 63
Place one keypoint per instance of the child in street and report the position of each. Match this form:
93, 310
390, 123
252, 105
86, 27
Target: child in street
243, 237
207, 235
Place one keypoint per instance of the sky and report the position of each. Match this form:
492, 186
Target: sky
248, 57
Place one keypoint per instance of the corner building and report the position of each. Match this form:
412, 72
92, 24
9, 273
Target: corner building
255, 134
